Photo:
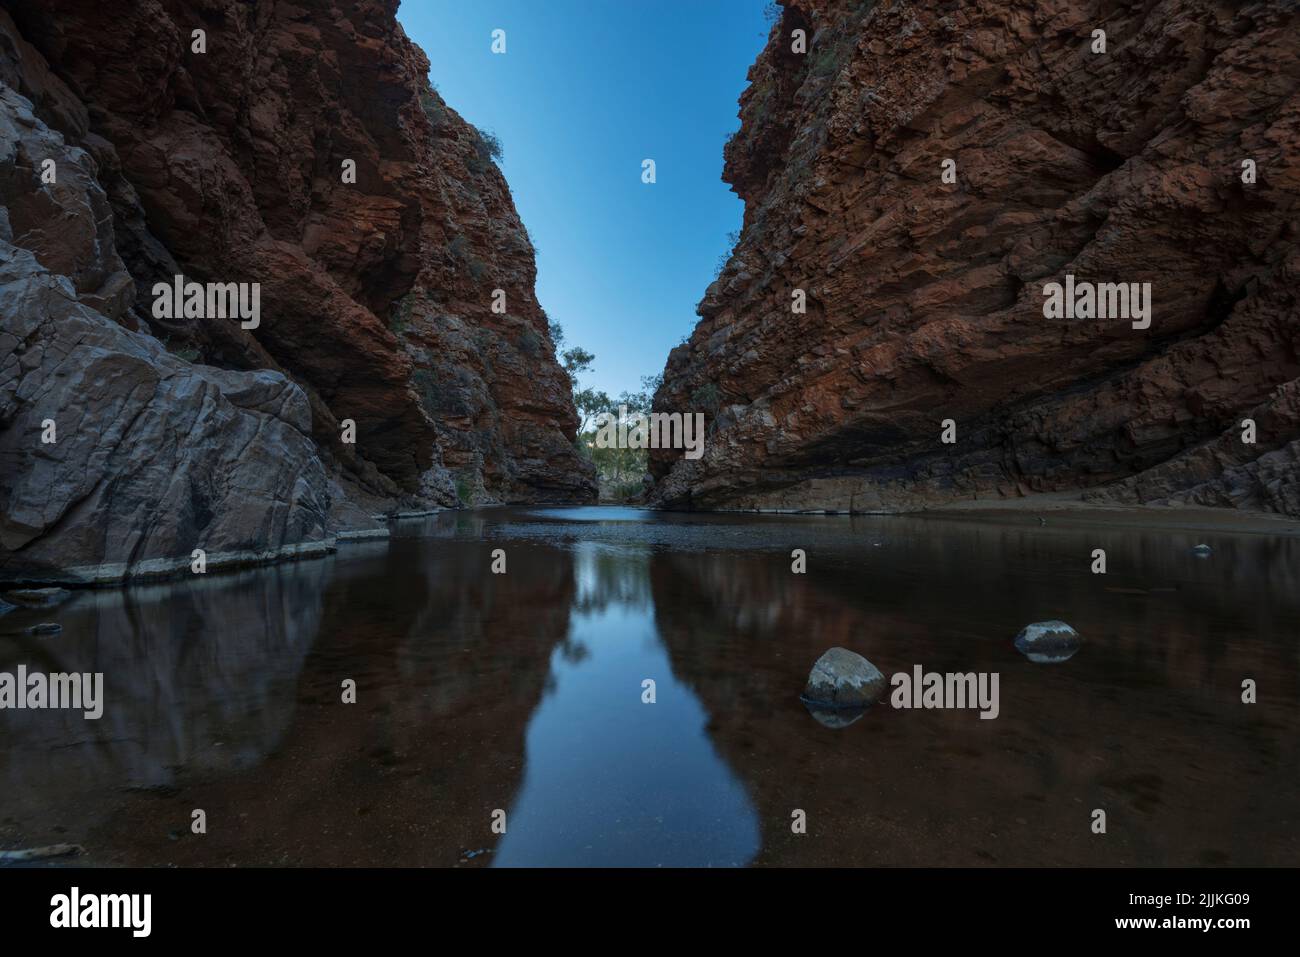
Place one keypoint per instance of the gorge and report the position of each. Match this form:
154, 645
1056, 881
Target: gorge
918, 177
305, 516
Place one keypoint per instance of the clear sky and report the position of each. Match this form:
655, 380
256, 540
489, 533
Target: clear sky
585, 91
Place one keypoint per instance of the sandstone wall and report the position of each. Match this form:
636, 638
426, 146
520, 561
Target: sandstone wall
924, 299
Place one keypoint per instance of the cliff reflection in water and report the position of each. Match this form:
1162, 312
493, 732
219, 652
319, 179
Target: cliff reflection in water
201, 677
523, 692
1145, 722
614, 778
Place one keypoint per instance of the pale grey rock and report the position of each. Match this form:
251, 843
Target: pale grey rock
843, 679
1048, 642
37, 597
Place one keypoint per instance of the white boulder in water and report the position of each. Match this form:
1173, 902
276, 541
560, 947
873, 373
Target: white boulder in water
1048, 642
843, 679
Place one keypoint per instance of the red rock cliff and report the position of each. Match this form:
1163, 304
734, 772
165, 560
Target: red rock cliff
925, 299
227, 165
376, 295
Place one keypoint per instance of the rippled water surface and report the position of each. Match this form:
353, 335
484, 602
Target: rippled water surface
523, 692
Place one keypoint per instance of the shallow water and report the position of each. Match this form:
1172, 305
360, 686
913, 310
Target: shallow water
522, 693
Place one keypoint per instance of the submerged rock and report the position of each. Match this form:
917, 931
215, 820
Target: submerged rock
1202, 551
45, 628
1048, 642
37, 597
843, 679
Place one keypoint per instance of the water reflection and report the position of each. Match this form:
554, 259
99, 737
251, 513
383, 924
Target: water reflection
1148, 724
834, 718
523, 692
613, 779
175, 697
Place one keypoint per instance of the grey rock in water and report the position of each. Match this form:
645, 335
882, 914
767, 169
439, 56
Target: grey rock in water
45, 628
37, 597
1202, 551
843, 679
1048, 642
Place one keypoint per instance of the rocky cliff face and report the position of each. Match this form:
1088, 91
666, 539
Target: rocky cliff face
925, 298
226, 157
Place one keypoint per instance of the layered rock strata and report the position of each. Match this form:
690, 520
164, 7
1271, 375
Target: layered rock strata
1171, 158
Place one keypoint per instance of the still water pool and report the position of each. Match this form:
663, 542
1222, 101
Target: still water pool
523, 693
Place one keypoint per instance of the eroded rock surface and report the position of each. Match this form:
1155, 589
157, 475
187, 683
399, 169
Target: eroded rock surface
119, 457
376, 296
925, 299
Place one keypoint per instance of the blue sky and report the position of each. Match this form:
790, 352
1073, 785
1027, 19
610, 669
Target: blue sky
585, 91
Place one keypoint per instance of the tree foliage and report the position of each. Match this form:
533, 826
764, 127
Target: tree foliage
619, 472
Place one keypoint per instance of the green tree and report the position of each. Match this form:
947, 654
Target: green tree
643, 400
576, 361
589, 403
619, 471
